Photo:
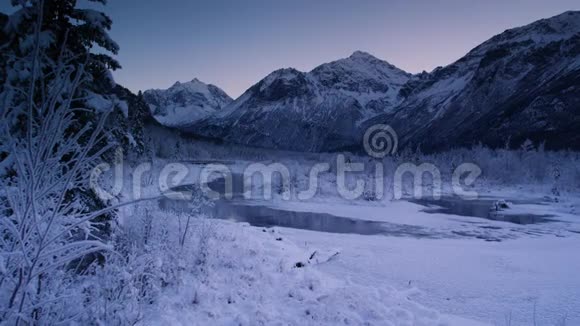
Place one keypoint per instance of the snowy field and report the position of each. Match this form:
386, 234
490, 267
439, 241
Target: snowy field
427, 266
266, 277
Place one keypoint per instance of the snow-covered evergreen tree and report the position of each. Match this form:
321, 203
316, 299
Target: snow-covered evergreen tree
50, 141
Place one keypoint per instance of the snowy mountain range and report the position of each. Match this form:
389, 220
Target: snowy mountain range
521, 84
290, 109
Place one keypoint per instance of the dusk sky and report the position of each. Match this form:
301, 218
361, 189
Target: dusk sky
233, 44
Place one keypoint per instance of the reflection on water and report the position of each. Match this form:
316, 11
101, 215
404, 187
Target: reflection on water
268, 217
262, 216
483, 208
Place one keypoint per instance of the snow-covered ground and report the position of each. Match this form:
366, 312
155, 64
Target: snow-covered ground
531, 277
258, 276
457, 270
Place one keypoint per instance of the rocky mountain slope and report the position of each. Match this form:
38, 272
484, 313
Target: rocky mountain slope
521, 84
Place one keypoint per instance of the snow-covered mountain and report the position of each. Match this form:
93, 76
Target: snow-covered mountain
185, 103
374, 83
521, 84
314, 111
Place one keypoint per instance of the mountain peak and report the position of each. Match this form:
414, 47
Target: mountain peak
362, 73
361, 59
361, 55
286, 72
193, 82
